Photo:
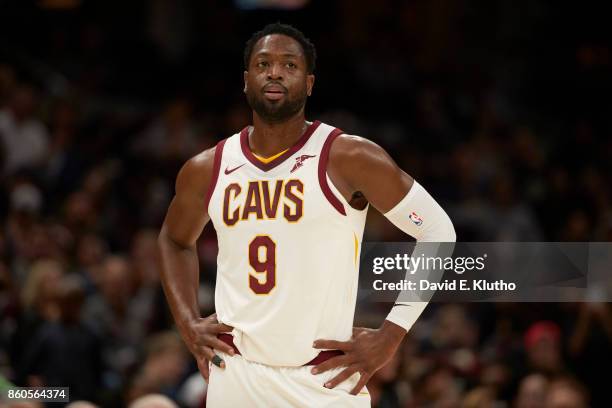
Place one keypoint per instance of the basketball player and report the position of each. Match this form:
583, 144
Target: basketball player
288, 199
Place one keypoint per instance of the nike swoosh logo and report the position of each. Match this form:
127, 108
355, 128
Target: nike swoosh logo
228, 171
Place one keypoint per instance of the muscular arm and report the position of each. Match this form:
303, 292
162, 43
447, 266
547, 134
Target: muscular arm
362, 170
357, 166
183, 225
185, 220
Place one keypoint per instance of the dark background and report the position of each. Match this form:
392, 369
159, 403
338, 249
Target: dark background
501, 109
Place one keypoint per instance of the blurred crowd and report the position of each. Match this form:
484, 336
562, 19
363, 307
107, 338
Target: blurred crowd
497, 108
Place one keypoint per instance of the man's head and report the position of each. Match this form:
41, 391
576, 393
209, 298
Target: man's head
279, 64
81, 404
543, 346
153, 401
566, 392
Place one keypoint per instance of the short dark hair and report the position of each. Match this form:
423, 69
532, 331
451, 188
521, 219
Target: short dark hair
310, 53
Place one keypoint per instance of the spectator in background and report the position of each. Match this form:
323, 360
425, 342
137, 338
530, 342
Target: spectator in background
164, 366
24, 137
453, 328
153, 401
454, 339
504, 217
80, 213
81, 404
496, 376
39, 306
543, 347
566, 393
28, 234
65, 339
532, 392
25, 204
171, 137
91, 249
25, 405
479, 397
112, 314
439, 388
68, 160
39, 292
145, 258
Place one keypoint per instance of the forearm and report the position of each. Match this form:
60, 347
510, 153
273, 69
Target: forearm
180, 280
419, 215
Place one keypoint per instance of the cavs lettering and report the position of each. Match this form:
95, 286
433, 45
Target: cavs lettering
262, 200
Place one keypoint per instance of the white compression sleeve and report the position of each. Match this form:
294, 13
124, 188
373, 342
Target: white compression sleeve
420, 216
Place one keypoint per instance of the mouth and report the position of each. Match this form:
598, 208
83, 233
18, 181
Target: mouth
274, 96
274, 92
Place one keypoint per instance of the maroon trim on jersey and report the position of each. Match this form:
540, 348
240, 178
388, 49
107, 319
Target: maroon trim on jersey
323, 159
246, 150
215, 175
323, 356
229, 340
320, 358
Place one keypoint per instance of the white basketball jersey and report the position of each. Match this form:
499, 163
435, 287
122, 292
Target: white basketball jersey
288, 262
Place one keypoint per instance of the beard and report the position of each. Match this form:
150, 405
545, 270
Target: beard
276, 111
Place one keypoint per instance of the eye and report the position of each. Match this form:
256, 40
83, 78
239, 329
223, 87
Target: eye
262, 64
291, 65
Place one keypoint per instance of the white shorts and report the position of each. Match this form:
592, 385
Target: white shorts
246, 384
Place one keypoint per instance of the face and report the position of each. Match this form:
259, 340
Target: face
277, 82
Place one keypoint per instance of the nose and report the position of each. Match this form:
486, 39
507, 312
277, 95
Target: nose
274, 72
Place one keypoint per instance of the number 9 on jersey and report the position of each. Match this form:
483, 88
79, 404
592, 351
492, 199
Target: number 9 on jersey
262, 258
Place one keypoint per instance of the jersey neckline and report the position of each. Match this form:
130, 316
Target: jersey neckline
246, 150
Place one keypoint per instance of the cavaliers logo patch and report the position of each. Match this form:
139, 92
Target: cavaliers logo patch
299, 161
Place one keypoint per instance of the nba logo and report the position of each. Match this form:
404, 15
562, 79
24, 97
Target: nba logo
416, 219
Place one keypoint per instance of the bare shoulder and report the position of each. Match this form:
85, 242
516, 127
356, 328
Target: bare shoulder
186, 218
353, 147
359, 166
352, 154
196, 173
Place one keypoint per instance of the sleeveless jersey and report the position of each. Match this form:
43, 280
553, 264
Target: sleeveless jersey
288, 261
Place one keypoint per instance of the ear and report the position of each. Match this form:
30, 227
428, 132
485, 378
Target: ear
244, 76
310, 80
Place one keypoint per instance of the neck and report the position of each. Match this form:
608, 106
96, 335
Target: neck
268, 139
